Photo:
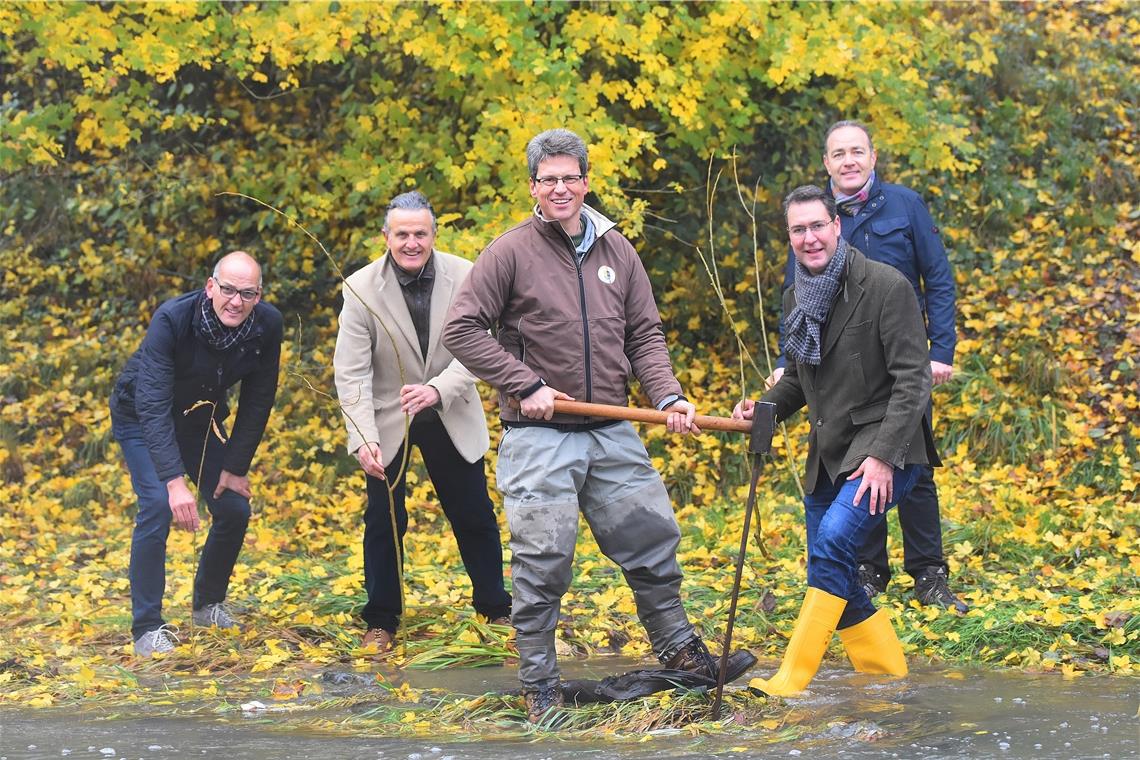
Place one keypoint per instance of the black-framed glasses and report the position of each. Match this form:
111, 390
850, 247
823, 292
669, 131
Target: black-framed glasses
570, 180
229, 291
815, 227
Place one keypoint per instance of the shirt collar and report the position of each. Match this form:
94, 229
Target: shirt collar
406, 278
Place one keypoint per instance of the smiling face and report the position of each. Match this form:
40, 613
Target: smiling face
813, 247
410, 234
236, 273
849, 159
560, 203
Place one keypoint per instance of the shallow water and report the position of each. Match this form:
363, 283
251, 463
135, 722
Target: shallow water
933, 714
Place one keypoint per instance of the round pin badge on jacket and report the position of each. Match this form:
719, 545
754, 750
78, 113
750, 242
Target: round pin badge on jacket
606, 275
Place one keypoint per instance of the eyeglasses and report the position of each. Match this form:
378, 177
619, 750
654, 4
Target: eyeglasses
229, 291
570, 180
816, 228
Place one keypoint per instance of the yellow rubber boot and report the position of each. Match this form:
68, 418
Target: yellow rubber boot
818, 618
873, 647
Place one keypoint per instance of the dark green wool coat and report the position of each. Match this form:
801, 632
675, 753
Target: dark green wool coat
870, 394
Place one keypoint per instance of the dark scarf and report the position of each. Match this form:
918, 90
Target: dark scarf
850, 205
814, 296
217, 334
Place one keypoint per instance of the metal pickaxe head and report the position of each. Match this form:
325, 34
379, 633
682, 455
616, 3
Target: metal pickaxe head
763, 427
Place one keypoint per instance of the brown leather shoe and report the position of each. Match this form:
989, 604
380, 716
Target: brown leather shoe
383, 640
542, 701
504, 620
694, 657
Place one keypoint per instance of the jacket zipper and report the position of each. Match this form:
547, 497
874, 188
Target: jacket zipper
585, 328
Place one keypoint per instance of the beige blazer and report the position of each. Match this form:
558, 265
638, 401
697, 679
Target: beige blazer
368, 376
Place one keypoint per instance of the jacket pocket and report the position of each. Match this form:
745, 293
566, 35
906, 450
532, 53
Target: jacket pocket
870, 413
884, 227
858, 329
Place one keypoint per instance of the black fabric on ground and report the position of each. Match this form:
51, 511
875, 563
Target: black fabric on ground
642, 683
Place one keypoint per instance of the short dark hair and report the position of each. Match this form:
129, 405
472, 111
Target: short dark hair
410, 201
849, 123
807, 194
555, 142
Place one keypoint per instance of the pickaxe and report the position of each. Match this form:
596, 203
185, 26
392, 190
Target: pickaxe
759, 430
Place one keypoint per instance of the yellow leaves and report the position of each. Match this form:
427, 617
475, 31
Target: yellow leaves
274, 655
1115, 637
85, 676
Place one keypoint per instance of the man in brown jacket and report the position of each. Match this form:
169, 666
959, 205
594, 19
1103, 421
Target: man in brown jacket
857, 358
573, 316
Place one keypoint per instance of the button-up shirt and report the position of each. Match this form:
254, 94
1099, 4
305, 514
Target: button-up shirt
416, 288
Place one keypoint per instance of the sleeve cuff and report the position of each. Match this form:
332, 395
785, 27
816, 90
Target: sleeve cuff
532, 389
669, 400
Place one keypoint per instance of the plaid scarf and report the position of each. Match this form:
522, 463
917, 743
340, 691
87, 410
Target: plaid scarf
851, 204
216, 334
814, 296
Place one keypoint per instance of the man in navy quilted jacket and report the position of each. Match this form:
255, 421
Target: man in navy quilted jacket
168, 411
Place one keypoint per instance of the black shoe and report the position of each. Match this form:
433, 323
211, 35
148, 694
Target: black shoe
871, 581
541, 701
931, 588
694, 657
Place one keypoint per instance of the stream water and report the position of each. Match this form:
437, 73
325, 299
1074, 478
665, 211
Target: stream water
934, 713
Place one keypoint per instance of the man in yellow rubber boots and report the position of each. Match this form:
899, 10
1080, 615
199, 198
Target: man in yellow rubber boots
858, 359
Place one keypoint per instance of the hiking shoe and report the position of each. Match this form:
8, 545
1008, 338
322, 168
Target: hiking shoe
694, 657
159, 641
502, 620
541, 701
871, 581
384, 641
214, 615
931, 588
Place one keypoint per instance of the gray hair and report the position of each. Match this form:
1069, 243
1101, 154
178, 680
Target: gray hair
411, 201
555, 142
849, 123
807, 194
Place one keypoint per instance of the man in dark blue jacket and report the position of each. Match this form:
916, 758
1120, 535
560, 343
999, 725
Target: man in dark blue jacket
167, 413
891, 224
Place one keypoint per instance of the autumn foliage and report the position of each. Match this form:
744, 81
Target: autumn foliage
124, 125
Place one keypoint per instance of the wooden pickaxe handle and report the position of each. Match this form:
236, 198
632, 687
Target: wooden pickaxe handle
635, 414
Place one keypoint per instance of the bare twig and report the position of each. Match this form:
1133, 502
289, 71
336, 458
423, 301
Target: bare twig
391, 481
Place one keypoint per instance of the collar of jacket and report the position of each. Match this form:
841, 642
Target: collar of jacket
856, 265
876, 199
552, 229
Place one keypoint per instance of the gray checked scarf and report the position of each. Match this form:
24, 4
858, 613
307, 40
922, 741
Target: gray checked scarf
814, 296
217, 334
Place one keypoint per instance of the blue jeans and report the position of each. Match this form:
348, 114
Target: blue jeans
921, 532
836, 529
230, 513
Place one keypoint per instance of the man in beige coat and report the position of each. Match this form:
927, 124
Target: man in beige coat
390, 365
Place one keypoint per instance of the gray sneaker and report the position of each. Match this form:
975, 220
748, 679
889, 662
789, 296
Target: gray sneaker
931, 587
214, 615
159, 641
